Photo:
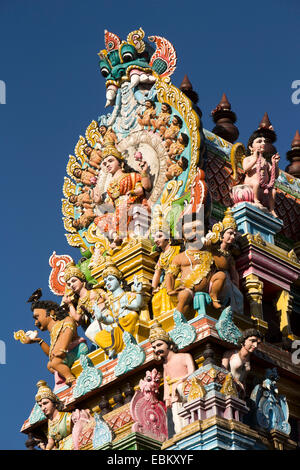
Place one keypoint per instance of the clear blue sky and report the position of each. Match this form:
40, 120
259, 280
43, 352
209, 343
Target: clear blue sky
48, 60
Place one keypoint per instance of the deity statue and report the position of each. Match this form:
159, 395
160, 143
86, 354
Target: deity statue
261, 171
94, 155
65, 345
206, 265
107, 137
79, 297
145, 119
172, 131
161, 122
237, 361
161, 301
119, 313
126, 188
63, 427
177, 368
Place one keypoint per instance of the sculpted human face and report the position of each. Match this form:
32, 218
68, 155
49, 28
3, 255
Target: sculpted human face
160, 348
160, 240
229, 236
112, 283
258, 144
102, 130
47, 406
251, 343
111, 164
41, 319
75, 284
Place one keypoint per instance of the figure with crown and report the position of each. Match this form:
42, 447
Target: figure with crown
177, 368
206, 266
79, 296
120, 312
64, 427
161, 301
126, 188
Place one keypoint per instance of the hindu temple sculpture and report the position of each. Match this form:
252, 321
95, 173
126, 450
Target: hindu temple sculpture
118, 313
238, 361
161, 301
206, 265
126, 188
78, 298
147, 201
64, 427
177, 368
65, 344
261, 171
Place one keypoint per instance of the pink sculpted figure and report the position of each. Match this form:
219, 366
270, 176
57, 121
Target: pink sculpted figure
177, 368
260, 175
237, 361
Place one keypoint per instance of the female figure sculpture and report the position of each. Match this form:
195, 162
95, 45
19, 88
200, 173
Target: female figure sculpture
125, 189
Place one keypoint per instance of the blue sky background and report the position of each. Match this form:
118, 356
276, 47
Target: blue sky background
49, 62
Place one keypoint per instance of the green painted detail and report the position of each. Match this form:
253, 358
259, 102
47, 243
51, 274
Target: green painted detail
159, 66
183, 334
131, 357
36, 415
89, 379
133, 441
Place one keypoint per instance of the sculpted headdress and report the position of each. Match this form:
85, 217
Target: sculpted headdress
44, 391
71, 270
220, 227
111, 269
110, 149
158, 333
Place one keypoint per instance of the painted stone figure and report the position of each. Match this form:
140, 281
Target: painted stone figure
177, 368
107, 137
125, 189
261, 167
119, 313
65, 345
206, 265
172, 131
86, 176
64, 428
238, 361
94, 156
260, 174
161, 301
161, 122
78, 298
145, 119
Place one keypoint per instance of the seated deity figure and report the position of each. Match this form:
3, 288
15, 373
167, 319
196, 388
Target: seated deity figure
126, 188
161, 122
206, 265
145, 119
119, 313
107, 137
64, 427
161, 301
172, 131
237, 361
65, 345
260, 174
86, 176
94, 156
177, 368
177, 146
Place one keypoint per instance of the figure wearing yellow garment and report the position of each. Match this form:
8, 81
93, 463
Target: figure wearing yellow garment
161, 301
120, 312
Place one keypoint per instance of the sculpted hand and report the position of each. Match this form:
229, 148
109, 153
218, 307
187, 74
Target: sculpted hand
275, 158
137, 286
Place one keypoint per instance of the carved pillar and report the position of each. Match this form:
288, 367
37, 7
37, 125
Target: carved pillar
254, 292
284, 306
